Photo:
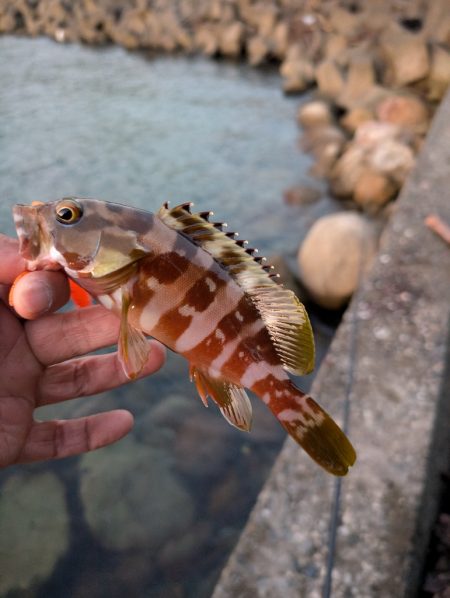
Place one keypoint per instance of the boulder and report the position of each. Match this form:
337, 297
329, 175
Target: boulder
334, 255
280, 40
326, 144
335, 47
359, 81
297, 71
439, 76
394, 159
257, 50
138, 502
314, 114
329, 78
347, 170
373, 190
232, 39
408, 112
206, 39
356, 117
405, 57
34, 523
344, 22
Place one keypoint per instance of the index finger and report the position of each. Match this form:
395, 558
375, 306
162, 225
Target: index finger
12, 264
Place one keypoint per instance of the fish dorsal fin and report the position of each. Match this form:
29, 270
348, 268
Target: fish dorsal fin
285, 317
231, 399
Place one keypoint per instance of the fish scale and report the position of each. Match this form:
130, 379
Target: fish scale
182, 279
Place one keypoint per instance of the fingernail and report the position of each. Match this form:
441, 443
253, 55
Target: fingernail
37, 298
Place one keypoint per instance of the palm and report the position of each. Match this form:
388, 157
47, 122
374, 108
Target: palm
44, 361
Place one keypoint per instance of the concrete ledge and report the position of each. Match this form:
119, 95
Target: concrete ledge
399, 422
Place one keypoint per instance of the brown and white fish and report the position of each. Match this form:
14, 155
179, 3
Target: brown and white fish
179, 278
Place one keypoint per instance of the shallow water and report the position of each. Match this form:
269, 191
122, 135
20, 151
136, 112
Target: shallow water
157, 514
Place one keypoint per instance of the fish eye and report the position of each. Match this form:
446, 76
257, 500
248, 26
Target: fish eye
68, 211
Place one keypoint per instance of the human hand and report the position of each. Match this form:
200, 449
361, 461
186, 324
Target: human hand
43, 361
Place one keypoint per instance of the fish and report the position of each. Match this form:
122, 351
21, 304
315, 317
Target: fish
182, 279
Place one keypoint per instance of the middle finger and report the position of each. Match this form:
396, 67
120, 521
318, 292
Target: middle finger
61, 336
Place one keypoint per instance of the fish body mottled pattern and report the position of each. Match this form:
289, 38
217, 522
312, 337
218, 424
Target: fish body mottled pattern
181, 279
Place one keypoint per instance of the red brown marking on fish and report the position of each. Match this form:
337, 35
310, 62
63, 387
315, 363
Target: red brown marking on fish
204, 291
171, 325
166, 268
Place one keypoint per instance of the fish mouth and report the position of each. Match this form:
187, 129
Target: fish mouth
26, 220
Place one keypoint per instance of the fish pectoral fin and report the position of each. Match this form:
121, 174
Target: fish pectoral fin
231, 399
133, 346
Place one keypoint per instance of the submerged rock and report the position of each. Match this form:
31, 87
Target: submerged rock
34, 524
132, 498
336, 251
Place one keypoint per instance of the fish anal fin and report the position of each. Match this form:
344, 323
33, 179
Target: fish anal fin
132, 345
79, 296
231, 399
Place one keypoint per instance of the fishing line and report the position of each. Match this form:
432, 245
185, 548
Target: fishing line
336, 500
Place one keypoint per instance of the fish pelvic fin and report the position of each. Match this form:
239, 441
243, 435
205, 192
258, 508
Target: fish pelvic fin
281, 311
132, 345
79, 296
231, 399
312, 428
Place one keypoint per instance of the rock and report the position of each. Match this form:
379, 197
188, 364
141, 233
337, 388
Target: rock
326, 144
297, 71
405, 111
206, 39
315, 113
203, 443
356, 117
335, 46
231, 40
257, 50
347, 171
132, 498
344, 22
405, 56
373, 190
437, 22
329, 77
370, 134
334, 254
34, 524
360, 80
179, 555
394, 159
280, 40
301, 195
439, 76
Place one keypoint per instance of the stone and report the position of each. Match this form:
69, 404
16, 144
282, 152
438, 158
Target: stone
347, 170
394, 159
437, 22
373, 190
405, 57
439, 77
301, 195
297, 71
132, 497
326, 144
329, 78
34, 524
206, 39
280, 40
334, 48
356, 117
315, 113
335, 253
405, 111
344, 22
232, 39
359, 81
257, 50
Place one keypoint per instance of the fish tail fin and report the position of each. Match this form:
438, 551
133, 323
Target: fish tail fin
314, 430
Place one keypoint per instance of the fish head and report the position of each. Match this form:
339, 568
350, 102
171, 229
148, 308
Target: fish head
86, 237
